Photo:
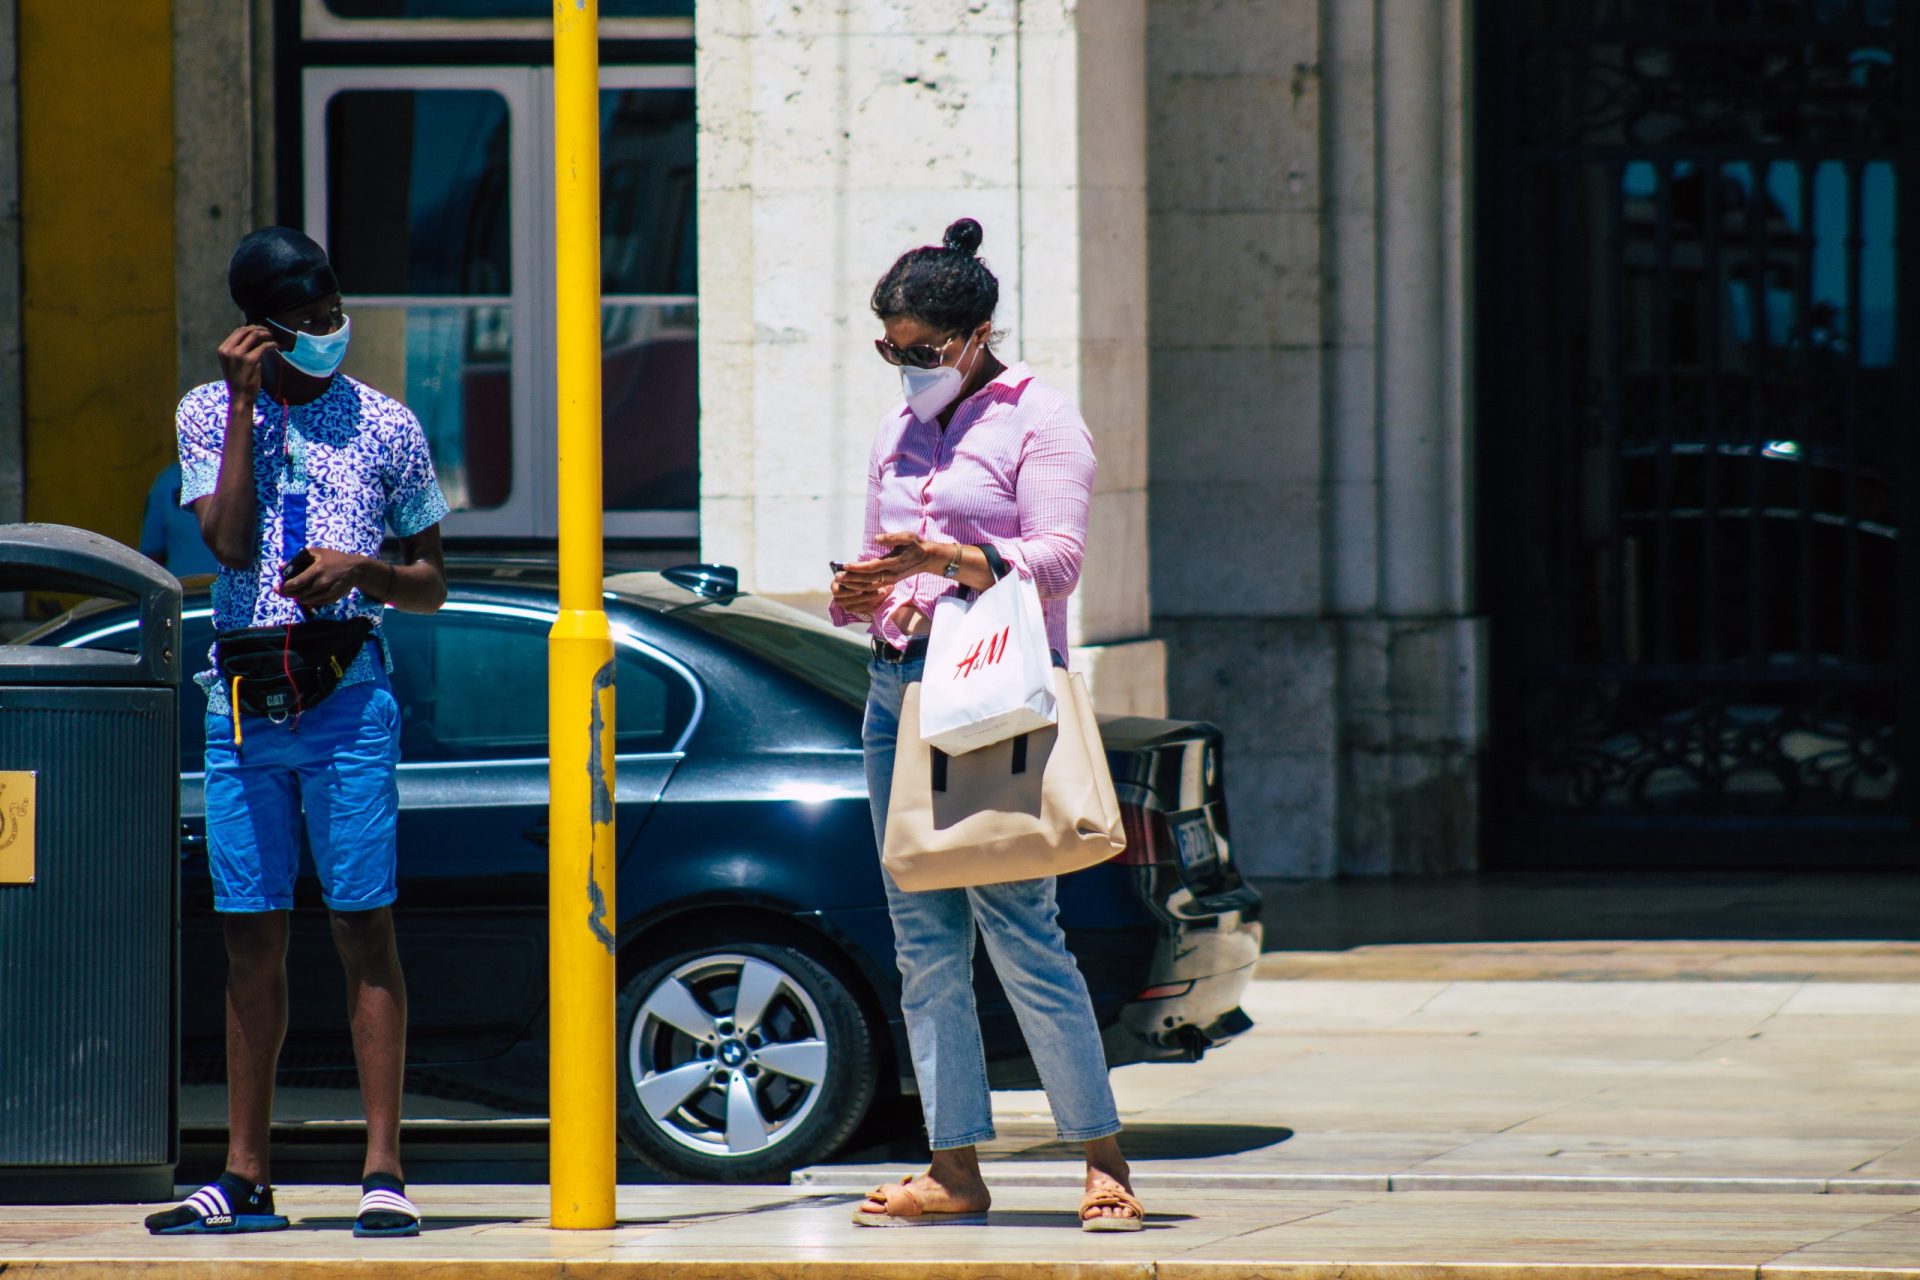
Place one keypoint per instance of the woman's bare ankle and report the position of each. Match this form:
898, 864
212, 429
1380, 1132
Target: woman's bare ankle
955, 1165
1104, 1157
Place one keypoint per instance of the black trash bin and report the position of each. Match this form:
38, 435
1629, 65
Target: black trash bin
89, 992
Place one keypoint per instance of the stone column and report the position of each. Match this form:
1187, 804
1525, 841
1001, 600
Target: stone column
1412, 654
12, 437
834, 135
1308, 184
213, 191
1240, 459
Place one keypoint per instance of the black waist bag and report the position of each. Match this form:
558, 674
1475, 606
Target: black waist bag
281, 671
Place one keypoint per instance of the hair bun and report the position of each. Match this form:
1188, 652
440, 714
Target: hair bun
965, 236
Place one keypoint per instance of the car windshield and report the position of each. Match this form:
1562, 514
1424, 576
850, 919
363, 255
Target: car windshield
796, 642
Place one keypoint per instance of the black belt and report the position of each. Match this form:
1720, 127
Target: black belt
915, 651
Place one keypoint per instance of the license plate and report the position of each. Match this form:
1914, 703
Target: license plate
1195, 840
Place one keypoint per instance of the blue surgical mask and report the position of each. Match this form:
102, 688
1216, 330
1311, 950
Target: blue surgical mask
318, 356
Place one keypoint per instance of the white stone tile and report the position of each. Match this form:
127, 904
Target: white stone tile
1238, 279
1242, 143
831, 18
938, 114
798, 237
1112, 257
727, 425
717, 19
792, 543
724, 114
1269, 684
797, 448
1128, 679
1112, 82
1268, 532
1285, 815
1244, 36
1042, 17
726, 531
1113, 399
726, 267
1113, 585
1353, 577
1051, 127
1051, 263
1236, 414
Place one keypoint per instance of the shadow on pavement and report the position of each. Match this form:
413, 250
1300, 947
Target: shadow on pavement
1171, 1142
1334, 915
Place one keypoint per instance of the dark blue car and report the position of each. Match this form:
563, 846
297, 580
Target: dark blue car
749, 892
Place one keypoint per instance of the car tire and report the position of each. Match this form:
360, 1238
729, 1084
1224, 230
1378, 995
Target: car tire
705, 1098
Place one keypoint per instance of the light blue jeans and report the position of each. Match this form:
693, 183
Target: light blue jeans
933, 933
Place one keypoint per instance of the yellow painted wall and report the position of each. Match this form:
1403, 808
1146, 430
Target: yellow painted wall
96, 231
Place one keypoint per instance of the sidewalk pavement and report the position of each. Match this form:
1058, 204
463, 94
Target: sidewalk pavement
1617, 1082
1701, 1124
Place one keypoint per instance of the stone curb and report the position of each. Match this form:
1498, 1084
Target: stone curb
860, 1181
428, 1267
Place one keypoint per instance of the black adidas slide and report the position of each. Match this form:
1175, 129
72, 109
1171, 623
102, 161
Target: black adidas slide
385, 1209
229, 1205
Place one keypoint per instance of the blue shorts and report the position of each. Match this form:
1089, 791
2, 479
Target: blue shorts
334, 767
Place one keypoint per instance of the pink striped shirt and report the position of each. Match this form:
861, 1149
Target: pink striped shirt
1014, 470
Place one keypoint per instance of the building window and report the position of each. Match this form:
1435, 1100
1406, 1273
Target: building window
484, 19
430, 185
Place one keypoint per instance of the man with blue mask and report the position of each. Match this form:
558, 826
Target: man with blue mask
297, 473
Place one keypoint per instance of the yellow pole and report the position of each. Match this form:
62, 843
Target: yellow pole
580, 863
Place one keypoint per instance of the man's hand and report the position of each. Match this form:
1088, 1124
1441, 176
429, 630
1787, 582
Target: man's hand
326, 576
240, 359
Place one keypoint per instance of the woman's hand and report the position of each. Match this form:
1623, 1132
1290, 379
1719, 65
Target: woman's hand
860, 602
909, 556
864, 585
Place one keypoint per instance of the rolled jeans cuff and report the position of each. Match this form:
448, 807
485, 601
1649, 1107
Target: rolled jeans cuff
970, 1140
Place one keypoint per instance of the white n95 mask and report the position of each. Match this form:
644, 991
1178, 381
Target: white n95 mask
930, 391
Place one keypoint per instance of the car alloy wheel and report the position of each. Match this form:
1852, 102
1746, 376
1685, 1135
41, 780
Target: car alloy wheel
727, 1054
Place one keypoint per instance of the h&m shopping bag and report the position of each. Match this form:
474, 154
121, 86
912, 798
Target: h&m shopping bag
989, 674
1039, 804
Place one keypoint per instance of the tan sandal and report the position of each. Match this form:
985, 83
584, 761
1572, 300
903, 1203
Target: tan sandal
902, 1208
1111, 1199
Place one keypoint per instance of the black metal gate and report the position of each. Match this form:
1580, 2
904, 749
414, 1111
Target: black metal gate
1696, 403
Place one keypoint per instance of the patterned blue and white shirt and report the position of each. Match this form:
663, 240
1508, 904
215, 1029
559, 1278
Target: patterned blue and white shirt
361, 461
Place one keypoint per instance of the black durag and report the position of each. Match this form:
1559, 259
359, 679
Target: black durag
276, 269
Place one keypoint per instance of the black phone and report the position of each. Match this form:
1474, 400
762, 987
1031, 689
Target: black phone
301, 562
836, 566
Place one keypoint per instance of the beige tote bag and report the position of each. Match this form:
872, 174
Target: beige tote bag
1041, 804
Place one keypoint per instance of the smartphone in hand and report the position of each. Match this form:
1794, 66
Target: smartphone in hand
301, 562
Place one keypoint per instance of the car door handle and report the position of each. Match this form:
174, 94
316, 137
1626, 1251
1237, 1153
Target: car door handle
537, 834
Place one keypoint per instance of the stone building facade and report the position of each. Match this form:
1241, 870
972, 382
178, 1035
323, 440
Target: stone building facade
1236, 230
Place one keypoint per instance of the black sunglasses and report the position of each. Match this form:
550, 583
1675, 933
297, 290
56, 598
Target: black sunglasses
921, 355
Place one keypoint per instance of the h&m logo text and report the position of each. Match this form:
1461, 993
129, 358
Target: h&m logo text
986, 653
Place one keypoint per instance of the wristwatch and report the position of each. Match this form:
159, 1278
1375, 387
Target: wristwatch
953, 569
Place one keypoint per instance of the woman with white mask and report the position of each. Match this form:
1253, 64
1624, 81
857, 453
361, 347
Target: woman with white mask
983, 470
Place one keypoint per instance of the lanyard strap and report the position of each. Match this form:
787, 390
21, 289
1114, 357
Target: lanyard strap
293, 496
